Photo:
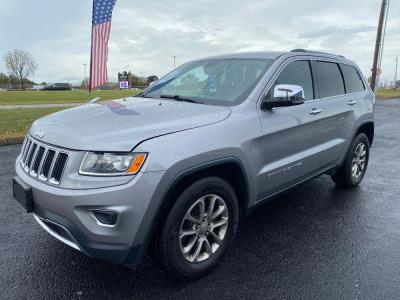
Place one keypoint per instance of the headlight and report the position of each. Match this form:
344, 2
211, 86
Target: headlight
112, 164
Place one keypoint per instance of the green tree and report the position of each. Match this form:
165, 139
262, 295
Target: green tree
20, 64
3, 79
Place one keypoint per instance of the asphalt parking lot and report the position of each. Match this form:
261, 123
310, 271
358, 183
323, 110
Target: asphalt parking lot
314, 242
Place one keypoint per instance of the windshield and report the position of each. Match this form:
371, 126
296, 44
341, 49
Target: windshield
224, 82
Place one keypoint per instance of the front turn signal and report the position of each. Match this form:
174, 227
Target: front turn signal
137, 163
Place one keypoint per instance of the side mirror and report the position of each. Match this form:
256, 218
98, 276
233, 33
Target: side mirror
285, 95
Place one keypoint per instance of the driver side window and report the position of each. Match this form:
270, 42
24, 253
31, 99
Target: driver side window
296, 73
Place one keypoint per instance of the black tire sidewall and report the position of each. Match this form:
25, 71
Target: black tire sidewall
171, 256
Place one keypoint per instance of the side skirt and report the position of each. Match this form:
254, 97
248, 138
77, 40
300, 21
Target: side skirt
273, 195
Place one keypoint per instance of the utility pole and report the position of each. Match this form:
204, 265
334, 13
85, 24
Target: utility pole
395, 71
379, 42
84, 78
174, 61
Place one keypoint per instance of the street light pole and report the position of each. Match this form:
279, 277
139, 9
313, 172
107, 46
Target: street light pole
379, 42
395, 71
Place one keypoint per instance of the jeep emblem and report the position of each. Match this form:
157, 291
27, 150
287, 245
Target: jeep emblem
40, 134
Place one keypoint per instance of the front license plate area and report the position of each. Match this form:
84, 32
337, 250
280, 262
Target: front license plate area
22, 193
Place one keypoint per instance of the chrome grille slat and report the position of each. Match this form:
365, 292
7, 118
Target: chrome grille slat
42, 161
44, 172
37, 161
28, 146
52, 167
58, 168
34, 156
29, 157
23, 149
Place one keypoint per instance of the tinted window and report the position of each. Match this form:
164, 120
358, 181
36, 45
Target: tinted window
297, 73
352, 79
330, 81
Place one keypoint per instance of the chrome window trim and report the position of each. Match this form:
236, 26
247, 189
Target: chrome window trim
289, 60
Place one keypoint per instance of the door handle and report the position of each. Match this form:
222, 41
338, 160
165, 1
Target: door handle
316, 111
352, 102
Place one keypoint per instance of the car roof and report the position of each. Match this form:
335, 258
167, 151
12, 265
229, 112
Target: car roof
260, 54
276, 54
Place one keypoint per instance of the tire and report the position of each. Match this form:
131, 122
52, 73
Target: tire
348, 177
171, 248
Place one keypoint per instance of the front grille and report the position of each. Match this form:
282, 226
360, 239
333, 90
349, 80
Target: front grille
42, 161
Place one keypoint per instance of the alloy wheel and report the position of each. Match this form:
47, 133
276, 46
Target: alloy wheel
203, 228
359, 161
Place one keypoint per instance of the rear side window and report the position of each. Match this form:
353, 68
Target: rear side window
352, 79
330, 80
297, 73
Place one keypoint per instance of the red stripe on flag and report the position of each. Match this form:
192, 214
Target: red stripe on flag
100, 39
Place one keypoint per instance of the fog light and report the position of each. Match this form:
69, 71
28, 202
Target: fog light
106, 218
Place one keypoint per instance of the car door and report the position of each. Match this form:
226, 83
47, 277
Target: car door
292, 137
338, 110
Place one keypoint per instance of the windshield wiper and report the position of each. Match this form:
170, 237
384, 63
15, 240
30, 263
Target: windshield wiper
180, 98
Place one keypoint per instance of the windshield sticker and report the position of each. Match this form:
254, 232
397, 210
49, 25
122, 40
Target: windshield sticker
212, 84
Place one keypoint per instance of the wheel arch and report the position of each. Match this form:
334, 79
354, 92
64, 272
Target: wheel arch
368, 128
229, 169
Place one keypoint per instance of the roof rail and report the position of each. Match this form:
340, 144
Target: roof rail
318, 52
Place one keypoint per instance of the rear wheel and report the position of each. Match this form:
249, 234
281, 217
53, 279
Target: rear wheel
355, 165
199, 228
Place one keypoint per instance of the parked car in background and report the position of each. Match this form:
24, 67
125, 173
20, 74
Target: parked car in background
151, 79
169, 170
58, 87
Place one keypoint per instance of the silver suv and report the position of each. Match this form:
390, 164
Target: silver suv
169, 171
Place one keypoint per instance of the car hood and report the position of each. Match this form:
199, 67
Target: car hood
120, 125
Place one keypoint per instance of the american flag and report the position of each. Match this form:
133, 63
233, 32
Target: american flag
101, 22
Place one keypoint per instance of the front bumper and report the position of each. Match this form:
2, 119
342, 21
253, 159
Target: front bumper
65, 214
58, 231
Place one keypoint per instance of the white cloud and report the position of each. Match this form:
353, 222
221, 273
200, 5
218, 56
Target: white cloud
145, 36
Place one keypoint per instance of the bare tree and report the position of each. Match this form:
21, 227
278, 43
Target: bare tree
20, 64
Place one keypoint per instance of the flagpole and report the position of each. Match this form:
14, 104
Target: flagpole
91, 54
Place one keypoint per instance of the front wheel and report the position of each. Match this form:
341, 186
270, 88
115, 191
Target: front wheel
355, 165
199, 228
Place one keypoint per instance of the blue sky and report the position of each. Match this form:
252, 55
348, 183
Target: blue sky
145, 36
